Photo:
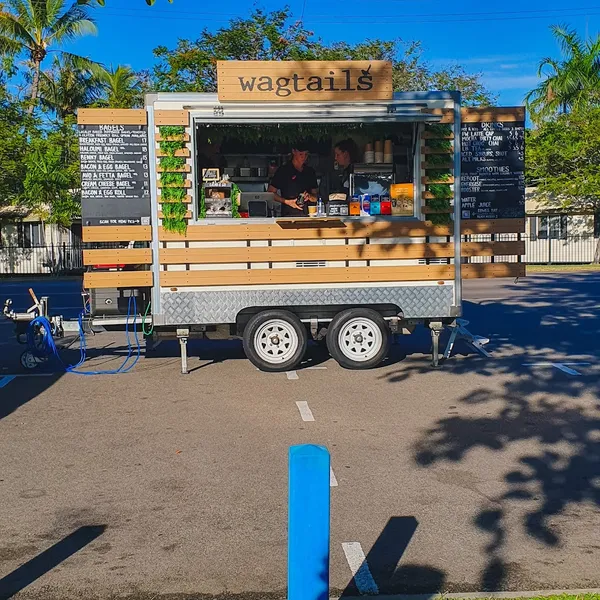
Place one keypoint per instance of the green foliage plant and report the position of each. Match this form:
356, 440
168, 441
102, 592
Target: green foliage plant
170, 194
170, 147
172, 163
172, 179
173, 132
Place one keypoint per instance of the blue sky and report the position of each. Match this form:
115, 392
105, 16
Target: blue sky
505, 44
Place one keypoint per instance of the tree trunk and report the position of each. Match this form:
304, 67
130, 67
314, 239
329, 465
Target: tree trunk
35, 85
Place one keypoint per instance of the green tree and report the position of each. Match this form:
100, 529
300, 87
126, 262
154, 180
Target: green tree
569, 83
562, 158
148, 2
191, 66
52, 181
66, 87
121, 88
36, 27
14, 125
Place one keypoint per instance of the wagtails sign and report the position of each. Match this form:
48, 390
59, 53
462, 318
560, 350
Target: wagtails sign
306, 81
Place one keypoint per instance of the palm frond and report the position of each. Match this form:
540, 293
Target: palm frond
73, 23
12, 28
9, 47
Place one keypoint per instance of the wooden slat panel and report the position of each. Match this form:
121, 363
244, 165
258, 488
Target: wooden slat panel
120, 256
182, 256
118, 279
171, 117
188, 215
447, 114
111, 116
186, 184
446, 165
125, 233
324, 275
430, 196
185, 152
474, 226
484, 270
428, 150
177, 138
186, 200
426, 180
490, 114
306, 230
431, 135
184, 169
492, 248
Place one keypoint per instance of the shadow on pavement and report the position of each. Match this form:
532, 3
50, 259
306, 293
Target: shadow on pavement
26, 574
560, 467
383, 559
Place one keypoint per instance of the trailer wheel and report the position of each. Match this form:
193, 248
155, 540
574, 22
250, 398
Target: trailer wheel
358, 338
275, 340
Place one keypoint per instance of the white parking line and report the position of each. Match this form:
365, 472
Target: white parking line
316, 368
560, 366
359, 567
305, 412
292, 375
4, 381
332, 480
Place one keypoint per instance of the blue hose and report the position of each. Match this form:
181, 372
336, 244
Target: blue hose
46, 346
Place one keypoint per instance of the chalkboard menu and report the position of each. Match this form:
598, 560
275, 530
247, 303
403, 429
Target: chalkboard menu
492, 170
115, 184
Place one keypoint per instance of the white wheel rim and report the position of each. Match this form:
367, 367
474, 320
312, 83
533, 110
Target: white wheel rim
276, 341
360, 339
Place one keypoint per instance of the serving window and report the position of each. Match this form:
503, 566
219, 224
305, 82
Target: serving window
236, 164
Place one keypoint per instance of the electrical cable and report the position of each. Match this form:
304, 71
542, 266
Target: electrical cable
151, 330
41, 343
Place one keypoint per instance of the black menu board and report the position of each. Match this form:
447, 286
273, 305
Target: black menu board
492, 181
115, 183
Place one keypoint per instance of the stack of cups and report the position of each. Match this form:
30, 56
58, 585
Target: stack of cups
388, 152
369, 154
379, 151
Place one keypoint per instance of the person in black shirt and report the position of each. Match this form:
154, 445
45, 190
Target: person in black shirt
345, 155
291, 180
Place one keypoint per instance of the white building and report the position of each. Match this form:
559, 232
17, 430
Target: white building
29, 246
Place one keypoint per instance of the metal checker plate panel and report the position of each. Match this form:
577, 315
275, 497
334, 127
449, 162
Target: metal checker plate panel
208, 307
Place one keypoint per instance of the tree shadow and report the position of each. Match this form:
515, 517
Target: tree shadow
43, 563
383, 558
547, 419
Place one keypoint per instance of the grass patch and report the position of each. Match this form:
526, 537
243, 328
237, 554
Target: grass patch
562, 269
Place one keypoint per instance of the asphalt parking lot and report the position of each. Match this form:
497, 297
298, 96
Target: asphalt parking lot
481, 475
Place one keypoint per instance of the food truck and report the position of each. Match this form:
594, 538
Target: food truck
177, 194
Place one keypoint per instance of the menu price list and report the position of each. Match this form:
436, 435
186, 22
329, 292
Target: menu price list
492, 170
115, 182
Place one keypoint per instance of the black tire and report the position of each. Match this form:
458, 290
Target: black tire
374, 342
287, 329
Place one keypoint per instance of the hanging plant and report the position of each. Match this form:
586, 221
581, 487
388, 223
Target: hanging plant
172, 179
439, 174
172, 193
172, 163
445, 145
438, 129
440, 190
172, 131
437, 159
235, 192
170, 147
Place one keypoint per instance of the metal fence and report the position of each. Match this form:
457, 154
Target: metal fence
539, 250
59, 259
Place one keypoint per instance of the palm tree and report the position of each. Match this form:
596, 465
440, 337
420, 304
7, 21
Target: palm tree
122, 87
66, 87
35, 27
569, 83
148, 2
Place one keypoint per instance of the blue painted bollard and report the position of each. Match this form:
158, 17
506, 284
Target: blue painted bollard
308, 523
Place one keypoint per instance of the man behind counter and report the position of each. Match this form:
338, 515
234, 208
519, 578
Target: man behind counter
293, 179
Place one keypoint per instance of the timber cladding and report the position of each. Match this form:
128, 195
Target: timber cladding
440, 273
111, 116
304, 81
